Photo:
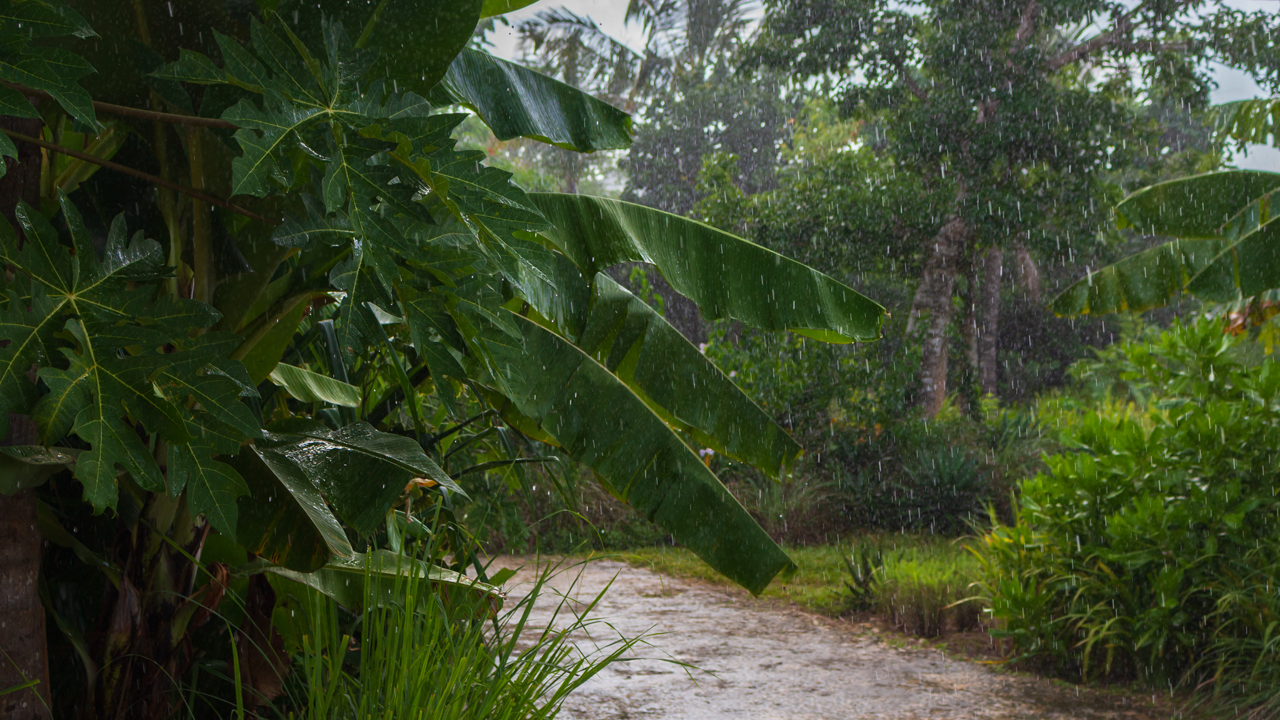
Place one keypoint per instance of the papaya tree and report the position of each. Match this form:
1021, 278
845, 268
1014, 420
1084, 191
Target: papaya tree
241, 235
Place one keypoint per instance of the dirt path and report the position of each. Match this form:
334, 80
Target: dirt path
762, 662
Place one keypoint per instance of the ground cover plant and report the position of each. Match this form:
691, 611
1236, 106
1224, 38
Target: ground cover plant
262, 316
914, 581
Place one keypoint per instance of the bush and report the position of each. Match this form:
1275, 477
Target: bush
1148, 551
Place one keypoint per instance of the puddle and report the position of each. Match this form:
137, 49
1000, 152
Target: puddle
767, 663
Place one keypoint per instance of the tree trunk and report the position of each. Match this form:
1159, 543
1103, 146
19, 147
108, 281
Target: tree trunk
1028, 274
22, 631
969, 333
989, 332
933, 301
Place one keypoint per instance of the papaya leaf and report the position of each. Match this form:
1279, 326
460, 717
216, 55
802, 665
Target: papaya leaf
725, 275
515, 101
119, 358
51, 69
396, 29
599, 422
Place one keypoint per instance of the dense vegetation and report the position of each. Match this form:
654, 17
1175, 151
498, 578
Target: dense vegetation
304, 313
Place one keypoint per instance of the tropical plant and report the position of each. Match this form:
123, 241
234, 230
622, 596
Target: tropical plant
1147, 551
331, 284
1223, 234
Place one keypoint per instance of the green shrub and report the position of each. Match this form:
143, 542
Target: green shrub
1148, 551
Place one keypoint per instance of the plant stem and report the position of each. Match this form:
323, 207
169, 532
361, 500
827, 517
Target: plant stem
141, 175
123, 111
201, 231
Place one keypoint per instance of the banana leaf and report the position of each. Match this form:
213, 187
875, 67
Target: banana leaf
308, 386
1227, 245
1143, 281
678, 382
515, 101
725, 275
1201, 207
600, 422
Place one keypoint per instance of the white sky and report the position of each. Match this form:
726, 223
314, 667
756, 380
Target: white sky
610, 14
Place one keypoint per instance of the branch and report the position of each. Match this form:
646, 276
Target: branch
1122, 27
1026, 26
139, 113
911, 84
140, 175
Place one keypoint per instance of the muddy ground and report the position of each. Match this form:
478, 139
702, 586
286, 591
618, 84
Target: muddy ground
755, 659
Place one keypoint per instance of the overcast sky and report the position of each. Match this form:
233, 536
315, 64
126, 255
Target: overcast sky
609, 14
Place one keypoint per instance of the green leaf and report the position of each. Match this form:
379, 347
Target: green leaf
344, 581
284, 518
358, 469
112, 356
501, 7
416, 39
1228, 245
212, 487
53, 70
725, 275
1140, 282
313, 387
1252, 262
678, 382
24, 466
37, 19
1201, 207
600, 423
515, 101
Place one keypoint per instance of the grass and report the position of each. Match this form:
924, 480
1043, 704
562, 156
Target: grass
917, 570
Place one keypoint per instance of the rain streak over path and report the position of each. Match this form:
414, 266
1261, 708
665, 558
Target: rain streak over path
758, 661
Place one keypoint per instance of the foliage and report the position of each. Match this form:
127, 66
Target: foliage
1221, 251
1146, 551
924, 589
389, 659
341, 313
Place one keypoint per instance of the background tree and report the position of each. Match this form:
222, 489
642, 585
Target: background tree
1013, 113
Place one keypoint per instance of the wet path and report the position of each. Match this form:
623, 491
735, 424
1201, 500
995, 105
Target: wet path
766, 663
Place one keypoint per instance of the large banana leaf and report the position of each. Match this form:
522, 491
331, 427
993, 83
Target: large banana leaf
502, 7
1201, 207
725, 275
515, 101
1142, 281
284, 519
601, 423
1227, 245
679, 383
344, 581
360, 471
